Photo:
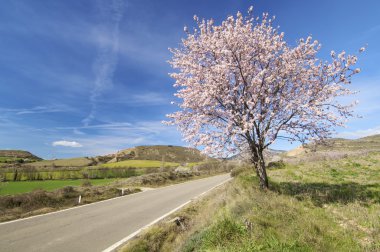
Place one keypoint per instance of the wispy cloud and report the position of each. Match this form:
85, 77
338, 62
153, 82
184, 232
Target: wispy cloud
38, 109
138, 128
140, 99
106, 61
360, 133
107, 126
150, 98
65, 143
78, 132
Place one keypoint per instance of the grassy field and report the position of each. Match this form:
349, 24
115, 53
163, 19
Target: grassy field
312, 206
74, 162
10, 188
140, 164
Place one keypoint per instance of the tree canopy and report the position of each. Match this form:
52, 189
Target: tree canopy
241, 84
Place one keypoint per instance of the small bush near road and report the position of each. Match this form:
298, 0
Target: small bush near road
240, 169
86, 183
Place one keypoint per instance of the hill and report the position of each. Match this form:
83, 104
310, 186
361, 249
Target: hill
335, 148
158, 153
17, 156
269, 154
167, 153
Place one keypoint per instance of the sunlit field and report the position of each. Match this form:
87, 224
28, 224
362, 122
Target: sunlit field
9, 188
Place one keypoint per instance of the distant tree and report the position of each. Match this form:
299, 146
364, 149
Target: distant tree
241, 84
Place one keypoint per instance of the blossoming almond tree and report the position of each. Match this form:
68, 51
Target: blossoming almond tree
240, 84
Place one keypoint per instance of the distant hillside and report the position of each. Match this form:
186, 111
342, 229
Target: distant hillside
168, 153
269, 155
66, 162
336, 148
9, 156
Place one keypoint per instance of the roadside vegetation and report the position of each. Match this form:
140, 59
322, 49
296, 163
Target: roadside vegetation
312, 206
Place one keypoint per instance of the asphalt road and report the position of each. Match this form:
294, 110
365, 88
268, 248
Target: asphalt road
97, 226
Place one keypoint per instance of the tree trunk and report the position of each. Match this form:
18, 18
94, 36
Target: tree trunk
262, 171
259, 164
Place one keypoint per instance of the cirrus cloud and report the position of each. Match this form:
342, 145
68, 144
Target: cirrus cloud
64, 143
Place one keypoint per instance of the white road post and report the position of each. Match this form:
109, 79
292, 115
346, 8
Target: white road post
79, 199
122, 191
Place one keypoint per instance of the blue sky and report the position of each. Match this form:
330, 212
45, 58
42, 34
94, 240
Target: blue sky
82, 78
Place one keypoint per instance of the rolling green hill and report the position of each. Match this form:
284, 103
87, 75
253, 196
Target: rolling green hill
17, 156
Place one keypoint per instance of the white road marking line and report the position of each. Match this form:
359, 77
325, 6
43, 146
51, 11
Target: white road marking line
124, 240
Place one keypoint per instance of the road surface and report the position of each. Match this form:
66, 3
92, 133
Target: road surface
96, 227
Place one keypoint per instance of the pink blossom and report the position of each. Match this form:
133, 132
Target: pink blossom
240, 84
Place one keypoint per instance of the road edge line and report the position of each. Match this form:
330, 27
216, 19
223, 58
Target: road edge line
116, 245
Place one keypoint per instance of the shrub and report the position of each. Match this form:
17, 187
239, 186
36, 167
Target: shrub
276, 165
67, 192
238, 170
86, 183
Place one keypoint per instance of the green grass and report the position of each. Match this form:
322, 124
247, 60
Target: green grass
360, 170
280, 222
192, 164
140, 164
10, 188
4, 159
313, 206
